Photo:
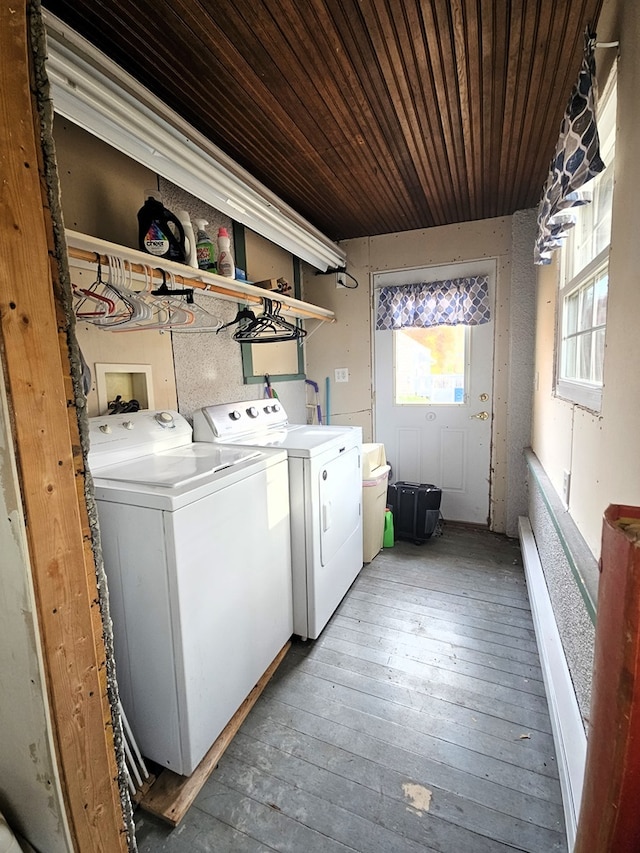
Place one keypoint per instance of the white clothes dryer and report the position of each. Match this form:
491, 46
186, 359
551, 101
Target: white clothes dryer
325, 488
196, 546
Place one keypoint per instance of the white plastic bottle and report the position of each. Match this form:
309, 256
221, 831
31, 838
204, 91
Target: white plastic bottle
189, 238
226, 265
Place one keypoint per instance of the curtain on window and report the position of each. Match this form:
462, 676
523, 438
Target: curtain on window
576, 160
456, 301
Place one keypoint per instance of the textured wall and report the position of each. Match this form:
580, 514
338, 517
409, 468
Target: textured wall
208, 366
574, 624
521, 362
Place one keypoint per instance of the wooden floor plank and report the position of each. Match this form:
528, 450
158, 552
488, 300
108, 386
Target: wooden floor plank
453, 670
358, 815
398, 732
378, 617
468, 693
424, 769
453, 604
434, 623
397, 687
518, 751
473, 581
416, 722
419, 609
389, 781
475, 832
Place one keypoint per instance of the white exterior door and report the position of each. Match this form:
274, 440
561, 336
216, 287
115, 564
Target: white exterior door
433, 408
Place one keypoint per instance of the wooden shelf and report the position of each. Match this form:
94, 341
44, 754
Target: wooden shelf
84, 248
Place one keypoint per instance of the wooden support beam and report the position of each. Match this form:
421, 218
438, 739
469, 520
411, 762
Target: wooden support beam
34, 334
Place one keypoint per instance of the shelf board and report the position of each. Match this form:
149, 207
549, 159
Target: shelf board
82, 247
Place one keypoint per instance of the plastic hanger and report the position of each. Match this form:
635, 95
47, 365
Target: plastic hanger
242, 315
269, 327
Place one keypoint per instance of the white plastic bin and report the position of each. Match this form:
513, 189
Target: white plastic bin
375, 476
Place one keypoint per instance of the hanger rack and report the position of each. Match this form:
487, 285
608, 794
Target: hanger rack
92, 250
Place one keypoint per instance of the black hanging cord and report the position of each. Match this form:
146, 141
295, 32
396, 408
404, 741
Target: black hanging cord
343, 270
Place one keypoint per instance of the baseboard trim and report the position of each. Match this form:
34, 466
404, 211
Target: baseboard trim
566, 723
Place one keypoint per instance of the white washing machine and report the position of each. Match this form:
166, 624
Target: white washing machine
325, 486
196, 545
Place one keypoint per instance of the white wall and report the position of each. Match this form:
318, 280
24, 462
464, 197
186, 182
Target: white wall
601, 450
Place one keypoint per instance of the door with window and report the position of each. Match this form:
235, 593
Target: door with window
434, 401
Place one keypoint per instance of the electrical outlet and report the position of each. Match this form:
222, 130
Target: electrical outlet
342, 374
341, 279
566, 486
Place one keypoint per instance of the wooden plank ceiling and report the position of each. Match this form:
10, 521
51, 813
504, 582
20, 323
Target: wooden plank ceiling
366, 116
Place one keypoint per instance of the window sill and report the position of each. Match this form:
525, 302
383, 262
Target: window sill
580, 394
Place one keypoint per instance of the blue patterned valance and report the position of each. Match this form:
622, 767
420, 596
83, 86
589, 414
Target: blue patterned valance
576, 161
453, 302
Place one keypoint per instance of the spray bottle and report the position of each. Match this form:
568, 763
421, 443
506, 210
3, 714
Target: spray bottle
226, 265
205, 249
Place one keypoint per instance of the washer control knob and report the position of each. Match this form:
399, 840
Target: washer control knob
234, 415
106, 428
252, 412
275, 407
165, 419
127, 424
268, 409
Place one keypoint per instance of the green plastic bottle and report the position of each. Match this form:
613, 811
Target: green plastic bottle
205, 248
388, 535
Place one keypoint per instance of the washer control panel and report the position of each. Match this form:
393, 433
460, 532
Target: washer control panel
119, 438
231, 420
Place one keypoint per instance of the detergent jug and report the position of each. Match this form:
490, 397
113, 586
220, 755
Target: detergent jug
160, 232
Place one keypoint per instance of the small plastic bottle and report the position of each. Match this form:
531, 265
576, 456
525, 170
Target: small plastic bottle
204, 247
226, 265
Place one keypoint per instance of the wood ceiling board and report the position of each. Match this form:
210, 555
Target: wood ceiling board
366, 116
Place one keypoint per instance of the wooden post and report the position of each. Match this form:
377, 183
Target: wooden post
609, 815
34, 339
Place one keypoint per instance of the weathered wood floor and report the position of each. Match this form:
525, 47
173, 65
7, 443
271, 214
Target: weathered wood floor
417, 722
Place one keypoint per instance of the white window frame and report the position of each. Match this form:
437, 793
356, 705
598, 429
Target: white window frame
584, 393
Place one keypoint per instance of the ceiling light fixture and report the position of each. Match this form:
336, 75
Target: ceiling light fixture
93, 92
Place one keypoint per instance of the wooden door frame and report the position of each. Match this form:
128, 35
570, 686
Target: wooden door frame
35, 337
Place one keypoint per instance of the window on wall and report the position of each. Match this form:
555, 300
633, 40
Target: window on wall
584, 277
430, 365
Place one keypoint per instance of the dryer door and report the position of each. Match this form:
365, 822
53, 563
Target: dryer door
340, 486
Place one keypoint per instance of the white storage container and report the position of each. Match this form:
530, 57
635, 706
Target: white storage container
375, 477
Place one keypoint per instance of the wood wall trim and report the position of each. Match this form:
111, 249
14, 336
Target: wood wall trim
34, 342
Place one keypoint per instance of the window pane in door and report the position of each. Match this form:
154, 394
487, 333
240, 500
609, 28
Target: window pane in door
429, 365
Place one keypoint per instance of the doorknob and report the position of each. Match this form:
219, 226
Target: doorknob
481, 416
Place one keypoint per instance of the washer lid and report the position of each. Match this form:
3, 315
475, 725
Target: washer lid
177, 467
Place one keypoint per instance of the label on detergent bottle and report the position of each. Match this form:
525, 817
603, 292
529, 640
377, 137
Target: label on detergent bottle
205, 261
156, 241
